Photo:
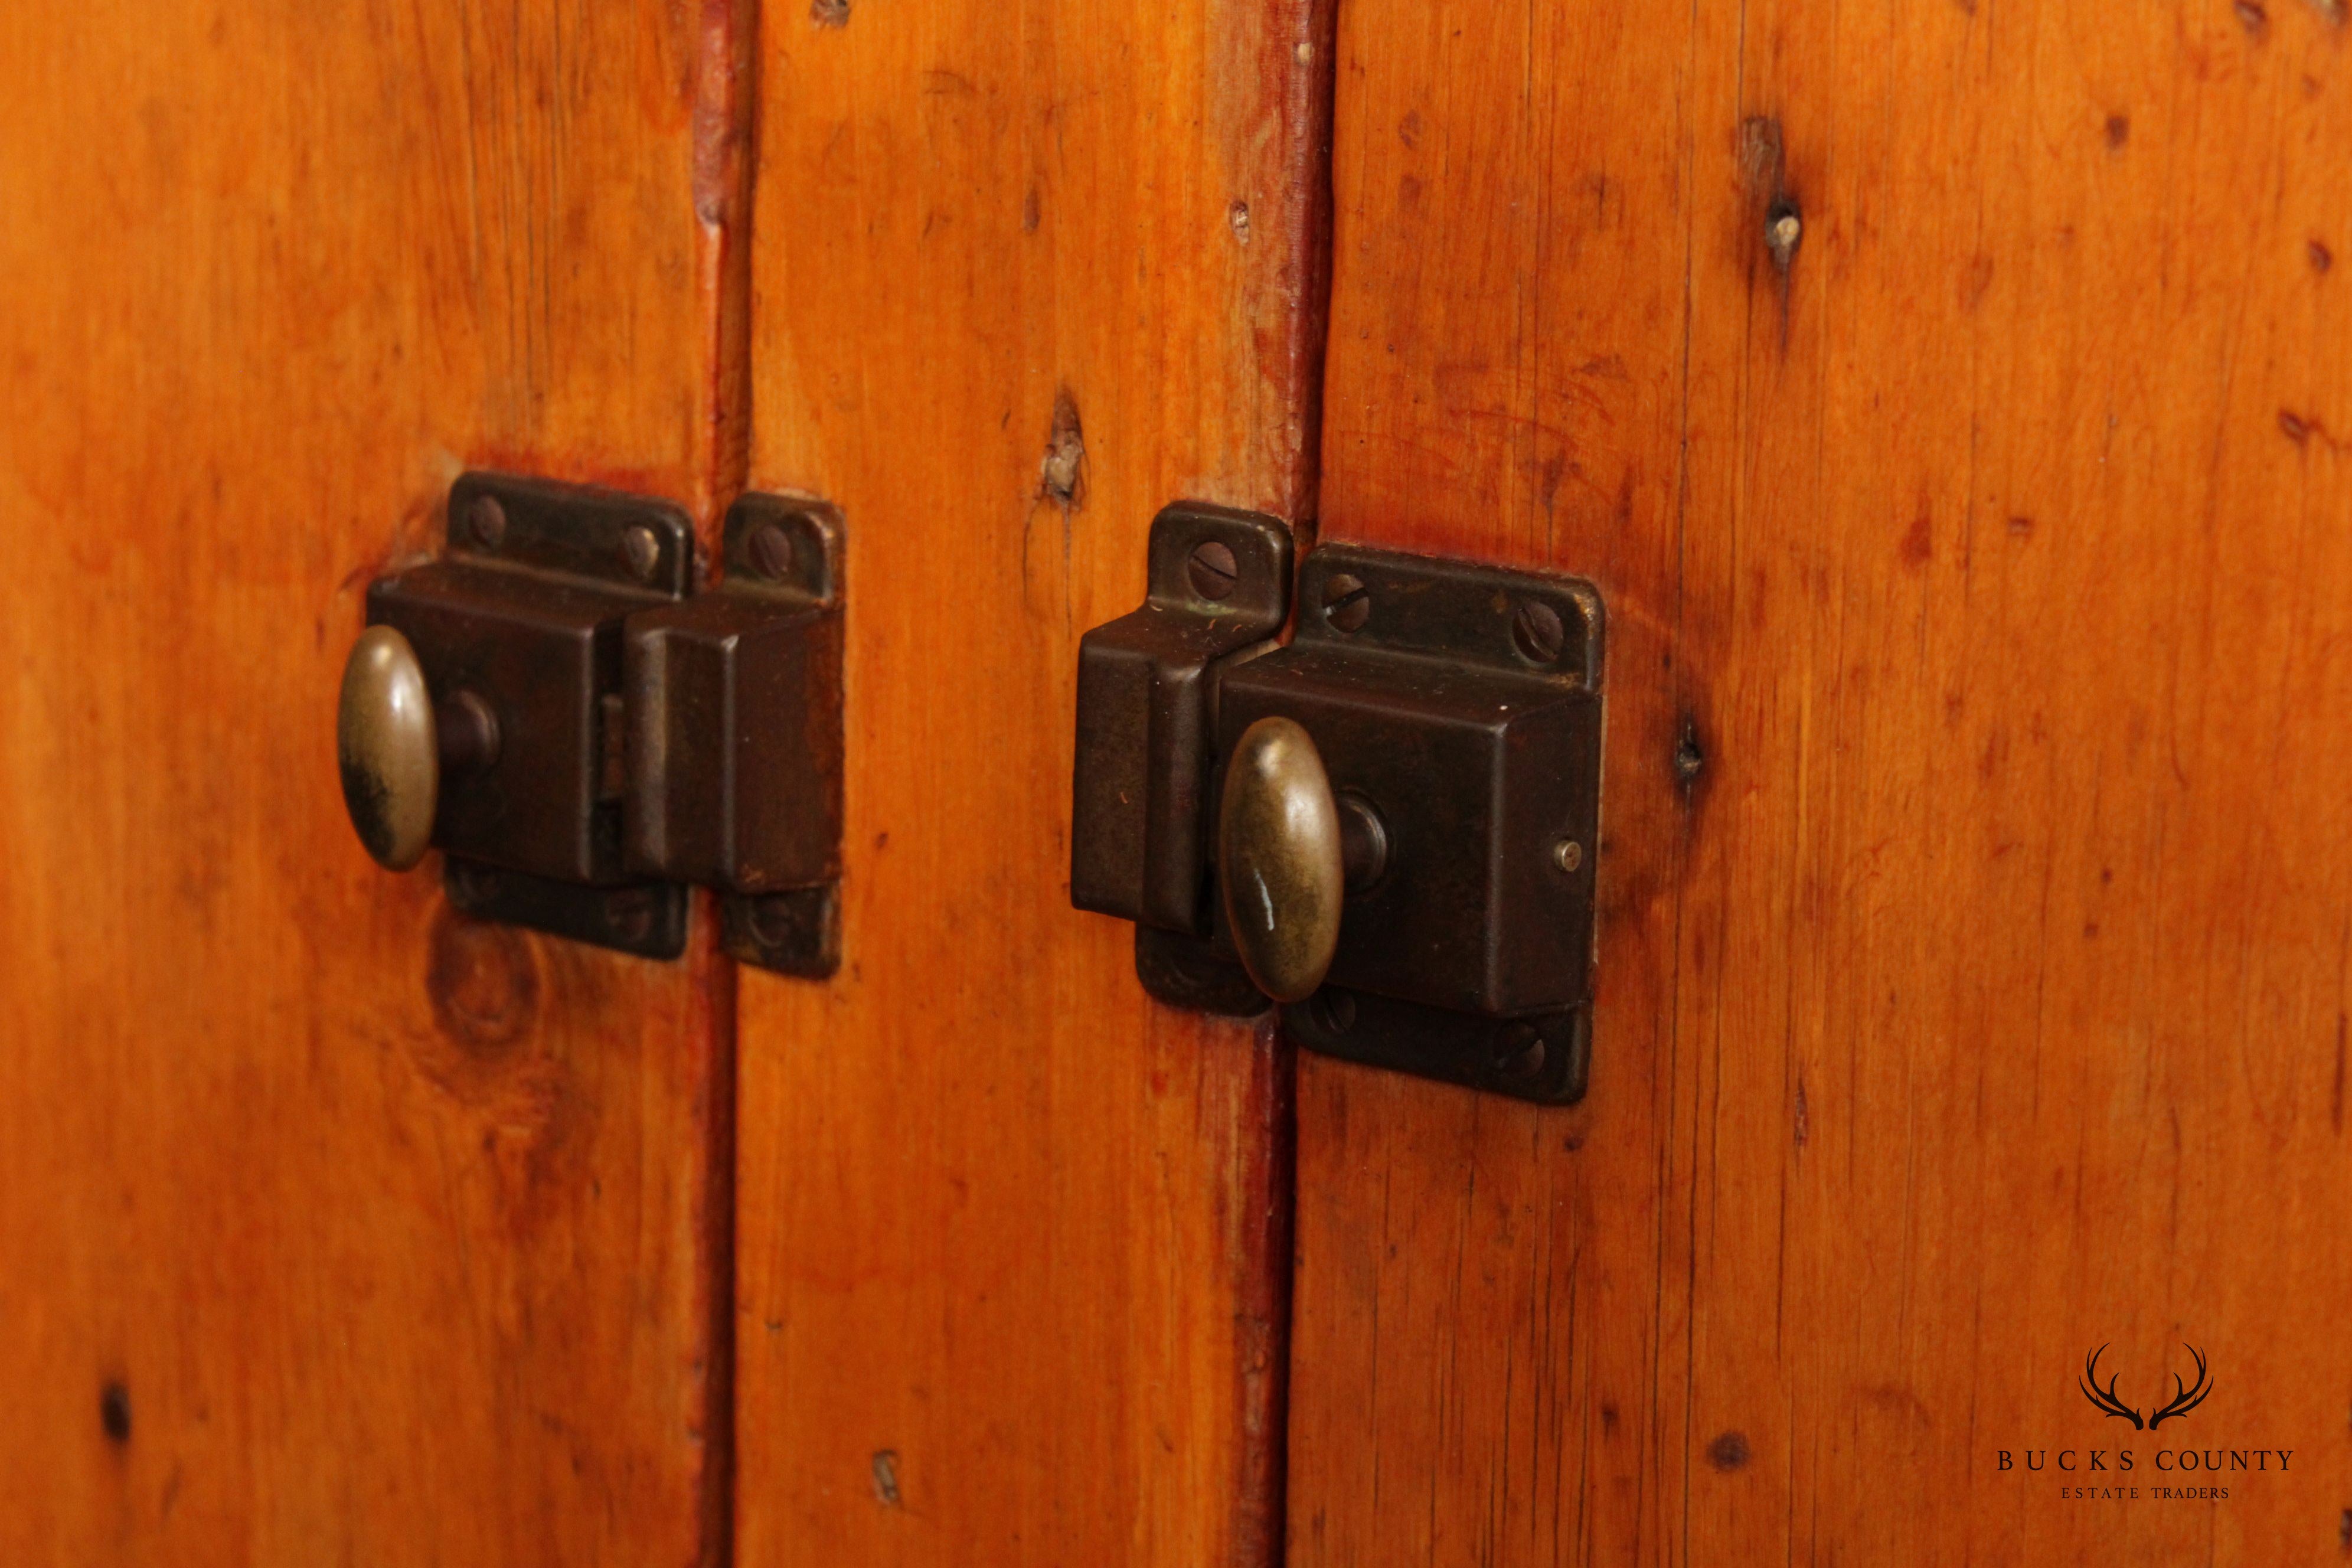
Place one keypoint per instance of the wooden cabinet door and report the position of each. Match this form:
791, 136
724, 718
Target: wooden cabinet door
333, 1227
1949, 402
1011, 1240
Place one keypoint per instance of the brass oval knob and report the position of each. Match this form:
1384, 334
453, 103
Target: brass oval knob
1280, 859
387, 742
394, 746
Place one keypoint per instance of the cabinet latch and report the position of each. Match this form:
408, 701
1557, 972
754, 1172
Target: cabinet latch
1389, 826
555, 706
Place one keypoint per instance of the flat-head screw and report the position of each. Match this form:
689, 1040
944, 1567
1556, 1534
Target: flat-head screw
642, 551
486, 521
770, 552
1213, 570
1346, 602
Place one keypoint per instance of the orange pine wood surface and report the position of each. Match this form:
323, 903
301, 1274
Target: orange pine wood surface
1976, 896
333, 1227
1011, 1238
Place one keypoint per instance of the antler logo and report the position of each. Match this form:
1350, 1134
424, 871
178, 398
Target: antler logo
2185, 1398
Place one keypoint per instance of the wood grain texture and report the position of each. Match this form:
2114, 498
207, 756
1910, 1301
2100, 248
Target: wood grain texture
1975, 898
333, 1227
1011, 1238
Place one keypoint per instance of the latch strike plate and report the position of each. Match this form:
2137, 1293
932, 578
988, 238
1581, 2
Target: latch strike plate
734, 701
1217, 594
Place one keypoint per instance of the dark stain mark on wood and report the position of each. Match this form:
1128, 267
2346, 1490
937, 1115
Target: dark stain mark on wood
2118, 131
2305, 428
829, 13
1029, 212
2322, 258
1803, 1126
114, 1410
1728, 1452
886, 1478
1690, 756
2343, 1533
1773, 209
2022, 527
1974, 281
1784, 230
1764, 168
482, 982
2253, 18
1608, 1419
1062, 475
2335, 1101
1919, 541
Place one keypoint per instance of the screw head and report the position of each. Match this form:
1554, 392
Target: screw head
1346, 602
776, 920
1567, 854
630, 913
769, 551
1518, 1051
486, 521
1335, 1010
472, 885
641, 550
1213, 570
1537, 632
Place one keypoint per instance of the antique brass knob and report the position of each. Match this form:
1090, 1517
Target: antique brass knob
1289, 850
395, 745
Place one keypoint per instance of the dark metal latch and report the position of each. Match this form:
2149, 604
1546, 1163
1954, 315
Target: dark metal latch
1388, 826
555, 706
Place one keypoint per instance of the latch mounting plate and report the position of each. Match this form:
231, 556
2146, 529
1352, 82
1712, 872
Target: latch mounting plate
1450, 713
525, 611
1459, 703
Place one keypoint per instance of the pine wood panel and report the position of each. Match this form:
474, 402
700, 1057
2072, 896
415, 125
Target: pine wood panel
333, 1227
1975, 887
1011, 1239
